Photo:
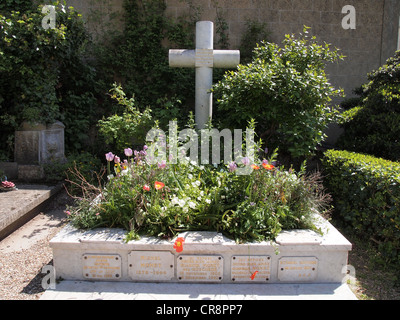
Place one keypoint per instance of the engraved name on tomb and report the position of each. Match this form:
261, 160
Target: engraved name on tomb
101, 266
151, 265
298, 269
250, 268
199, 268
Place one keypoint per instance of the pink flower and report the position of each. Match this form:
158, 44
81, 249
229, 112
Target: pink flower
117, 159
110, 156
246, 161
232, 166
146, 187
128, 152
162, 164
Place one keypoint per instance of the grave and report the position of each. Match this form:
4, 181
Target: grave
297, 256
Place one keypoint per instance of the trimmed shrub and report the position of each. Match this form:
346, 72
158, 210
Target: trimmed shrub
366, 194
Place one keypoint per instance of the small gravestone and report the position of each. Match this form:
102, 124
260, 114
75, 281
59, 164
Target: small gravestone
36, 145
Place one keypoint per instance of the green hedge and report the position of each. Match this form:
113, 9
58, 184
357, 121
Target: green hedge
366, 192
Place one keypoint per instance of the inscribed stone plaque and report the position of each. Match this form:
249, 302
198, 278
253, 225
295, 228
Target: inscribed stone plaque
204, 58
250, 268
101, 266
151, 265
298, 269
198, 268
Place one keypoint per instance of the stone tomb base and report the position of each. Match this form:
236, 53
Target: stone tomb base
297, 256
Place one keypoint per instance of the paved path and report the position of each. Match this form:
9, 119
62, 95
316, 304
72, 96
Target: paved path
88, 290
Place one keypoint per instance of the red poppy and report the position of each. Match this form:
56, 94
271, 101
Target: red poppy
268, 166
146, 187
159, 185
178, 245
253, 275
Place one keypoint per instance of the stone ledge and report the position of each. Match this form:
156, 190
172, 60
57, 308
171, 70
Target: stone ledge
318, 258
17, 207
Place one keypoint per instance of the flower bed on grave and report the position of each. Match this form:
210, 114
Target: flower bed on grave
165, 199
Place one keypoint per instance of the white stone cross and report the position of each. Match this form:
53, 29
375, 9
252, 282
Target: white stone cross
204, 58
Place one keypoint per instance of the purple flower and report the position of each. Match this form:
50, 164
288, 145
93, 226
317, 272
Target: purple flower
128, 152
232, 166
246, 161
266, 150
110, 156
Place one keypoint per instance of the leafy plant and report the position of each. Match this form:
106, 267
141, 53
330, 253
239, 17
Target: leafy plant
285, 90
129, 128
163, 199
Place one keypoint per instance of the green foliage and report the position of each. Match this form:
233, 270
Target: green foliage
285, 90
254, 34
366, 193
163, 199
127, 129
44, 75
57, 171
374, 126
6, 6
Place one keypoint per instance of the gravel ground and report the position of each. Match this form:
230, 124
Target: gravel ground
24, 253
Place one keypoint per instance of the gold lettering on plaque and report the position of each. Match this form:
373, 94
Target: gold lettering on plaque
107, 266
298, 269
200, 268
250, 268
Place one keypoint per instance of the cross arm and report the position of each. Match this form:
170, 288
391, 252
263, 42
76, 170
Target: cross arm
182, 58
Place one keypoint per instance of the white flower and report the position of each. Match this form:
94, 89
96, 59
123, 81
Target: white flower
196, 183
174, 201
192, 204
181, 203
208, 201
190, 176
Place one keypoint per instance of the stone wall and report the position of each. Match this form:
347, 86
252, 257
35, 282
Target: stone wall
365, 48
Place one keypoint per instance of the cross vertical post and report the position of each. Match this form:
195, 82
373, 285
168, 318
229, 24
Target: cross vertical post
204, 58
